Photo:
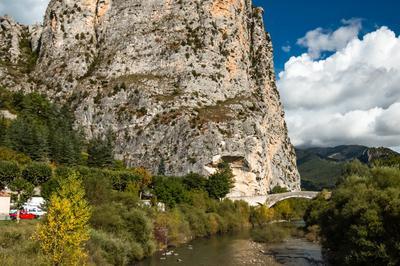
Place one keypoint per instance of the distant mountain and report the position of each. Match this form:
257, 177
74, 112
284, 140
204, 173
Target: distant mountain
321, 167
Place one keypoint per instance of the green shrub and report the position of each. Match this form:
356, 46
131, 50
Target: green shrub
9, 171
115, 250
273, 233
49, 187
360, 223
261, 215
139, 226
97, 185
16, 246
198, 199
197, 219
278, 190
7, 154
121, 179
170, 190
193, 181
171, 228
37, 173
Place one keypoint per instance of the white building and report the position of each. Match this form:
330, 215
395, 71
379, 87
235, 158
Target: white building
5, 204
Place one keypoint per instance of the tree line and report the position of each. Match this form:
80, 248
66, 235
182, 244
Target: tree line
360, 223
45, 132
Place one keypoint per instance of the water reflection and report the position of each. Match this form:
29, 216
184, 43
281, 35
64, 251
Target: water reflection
239, 250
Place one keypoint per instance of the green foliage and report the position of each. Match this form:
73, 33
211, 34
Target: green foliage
24, 191
37, 173
4, 124
355, 167
123, 179
278, 190
161, 168
236, 214
317, 173
261, 216
64, 232
284, 210
171, 228
271, 233
100, 151
140, 228
193, 181
123, 233
169, 190
29, 57
17, 247
123, 230
108, 249
291, 209
42, 130
220, 183
9, 171
7, 154
29, 136
360, 224
49, 187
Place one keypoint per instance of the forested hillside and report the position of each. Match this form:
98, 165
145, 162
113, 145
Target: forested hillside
322, 167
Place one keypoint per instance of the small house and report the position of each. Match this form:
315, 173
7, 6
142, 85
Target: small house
5, 204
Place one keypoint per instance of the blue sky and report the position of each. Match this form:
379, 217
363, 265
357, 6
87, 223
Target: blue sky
289, 20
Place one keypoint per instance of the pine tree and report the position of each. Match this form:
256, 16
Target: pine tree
161, 167
100, 151
64, 232
3, 131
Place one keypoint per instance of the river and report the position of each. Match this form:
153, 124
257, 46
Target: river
239, 250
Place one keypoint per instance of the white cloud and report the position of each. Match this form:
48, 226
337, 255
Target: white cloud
321, 40
351, 97
286, 48
24, 11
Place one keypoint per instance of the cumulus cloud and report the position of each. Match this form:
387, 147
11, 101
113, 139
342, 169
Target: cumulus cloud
24, 11
321, 40
351, 97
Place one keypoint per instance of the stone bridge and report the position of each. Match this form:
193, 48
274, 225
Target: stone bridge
272, 199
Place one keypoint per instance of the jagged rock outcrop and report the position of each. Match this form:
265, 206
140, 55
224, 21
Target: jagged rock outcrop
190, 83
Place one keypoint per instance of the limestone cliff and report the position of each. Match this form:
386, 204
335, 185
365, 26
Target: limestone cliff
187, 82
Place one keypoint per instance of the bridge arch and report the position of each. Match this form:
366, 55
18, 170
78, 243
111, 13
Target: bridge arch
272, 199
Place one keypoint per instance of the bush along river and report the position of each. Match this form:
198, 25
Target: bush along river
277, 244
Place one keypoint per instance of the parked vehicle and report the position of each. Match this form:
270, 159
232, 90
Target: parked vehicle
23, 215
36, 211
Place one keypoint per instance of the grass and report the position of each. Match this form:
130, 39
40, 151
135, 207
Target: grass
16, 246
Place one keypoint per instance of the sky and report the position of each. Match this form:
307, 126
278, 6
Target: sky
337, 65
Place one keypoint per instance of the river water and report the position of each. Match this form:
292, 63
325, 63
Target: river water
239, 250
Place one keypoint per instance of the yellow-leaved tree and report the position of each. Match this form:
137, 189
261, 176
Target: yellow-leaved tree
65, 230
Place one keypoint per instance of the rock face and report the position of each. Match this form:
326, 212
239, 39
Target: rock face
189, 83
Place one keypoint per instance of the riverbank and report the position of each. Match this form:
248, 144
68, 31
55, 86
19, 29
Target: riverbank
238, 249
